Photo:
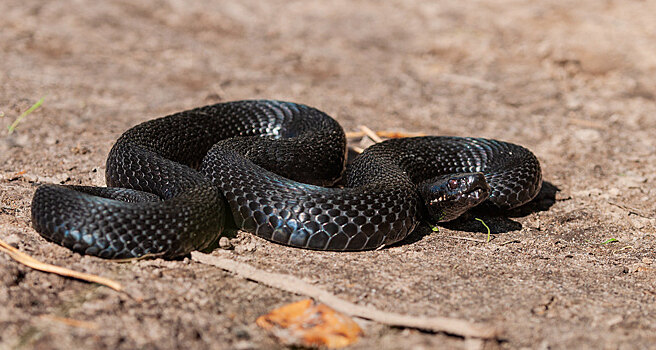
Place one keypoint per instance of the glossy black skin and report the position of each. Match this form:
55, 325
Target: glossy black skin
175, 179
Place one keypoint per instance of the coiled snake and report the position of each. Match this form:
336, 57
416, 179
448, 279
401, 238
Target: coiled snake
173, 181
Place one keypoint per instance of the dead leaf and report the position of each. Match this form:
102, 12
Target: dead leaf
309, 324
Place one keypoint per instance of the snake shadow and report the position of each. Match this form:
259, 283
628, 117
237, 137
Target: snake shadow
499, 221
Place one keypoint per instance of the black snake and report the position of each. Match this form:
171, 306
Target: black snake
172, 181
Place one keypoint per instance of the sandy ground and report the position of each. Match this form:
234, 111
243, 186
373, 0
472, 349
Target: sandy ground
573, 81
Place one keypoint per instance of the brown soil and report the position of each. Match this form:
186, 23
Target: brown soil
573, 81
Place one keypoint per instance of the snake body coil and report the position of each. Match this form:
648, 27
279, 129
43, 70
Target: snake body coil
172, 181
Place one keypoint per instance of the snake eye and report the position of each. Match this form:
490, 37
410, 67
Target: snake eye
453, 184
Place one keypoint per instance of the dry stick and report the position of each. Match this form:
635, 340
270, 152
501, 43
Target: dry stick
588, 123
354, 134
295, 285
467, 80
370, 133
630, 210
467, 239
396, 135
386, 134
376, 136
38, 265
70, 322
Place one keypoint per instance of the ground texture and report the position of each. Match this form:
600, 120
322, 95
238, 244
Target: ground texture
573, 81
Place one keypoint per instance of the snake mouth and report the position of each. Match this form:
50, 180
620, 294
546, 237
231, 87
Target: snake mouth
453, 202
456, 194
476, 196
472, 196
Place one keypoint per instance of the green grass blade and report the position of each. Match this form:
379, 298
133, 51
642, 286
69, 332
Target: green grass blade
13, 125
488, 229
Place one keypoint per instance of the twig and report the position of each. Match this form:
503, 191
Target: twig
354, 134
357, 149
467, 239
622, 249
396, 134
467, 80
631, 210
385, 134
70, 322
376, 136
370, 133
588, 123
62, 271
298, 286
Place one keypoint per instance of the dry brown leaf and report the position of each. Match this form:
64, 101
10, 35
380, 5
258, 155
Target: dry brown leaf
307, 323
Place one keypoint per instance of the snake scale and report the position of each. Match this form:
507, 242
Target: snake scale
266, 167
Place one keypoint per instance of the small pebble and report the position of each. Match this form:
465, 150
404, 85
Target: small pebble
244, 248
587, 135
224, 243
13, 240
244, 345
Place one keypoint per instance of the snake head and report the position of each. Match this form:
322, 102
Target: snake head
448, 196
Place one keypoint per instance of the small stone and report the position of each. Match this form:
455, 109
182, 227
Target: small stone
638, 222
631, 181
97, 177
589, 192
614, 320
572, 103
244, 345
224, 243
587, 135
30, 177
598, 171
245, 248
534, 223
13, 240
62, 178
241, 333
613, 192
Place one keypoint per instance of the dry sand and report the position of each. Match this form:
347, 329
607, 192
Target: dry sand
573, 81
